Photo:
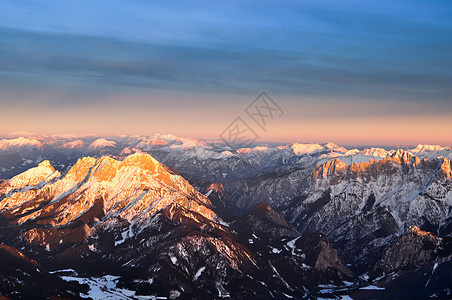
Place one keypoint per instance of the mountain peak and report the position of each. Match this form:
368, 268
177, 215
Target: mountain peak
331, 145
255, 149
376, 152
141, 159
102, 143
134, 189
41, 174
73, 144
20, 142
326, 169
428, 148
402, 155
46, 164
300, 149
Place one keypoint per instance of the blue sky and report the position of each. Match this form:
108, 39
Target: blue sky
195, 55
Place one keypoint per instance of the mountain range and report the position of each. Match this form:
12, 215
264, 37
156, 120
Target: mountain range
144, 217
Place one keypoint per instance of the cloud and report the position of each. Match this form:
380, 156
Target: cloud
67, 61
381, 50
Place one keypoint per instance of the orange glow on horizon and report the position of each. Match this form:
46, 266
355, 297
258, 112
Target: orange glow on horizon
344, 123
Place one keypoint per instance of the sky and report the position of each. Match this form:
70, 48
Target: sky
350, 72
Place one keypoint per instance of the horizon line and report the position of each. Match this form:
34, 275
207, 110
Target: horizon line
13, 135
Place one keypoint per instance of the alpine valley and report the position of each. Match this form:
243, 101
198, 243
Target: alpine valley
164, 217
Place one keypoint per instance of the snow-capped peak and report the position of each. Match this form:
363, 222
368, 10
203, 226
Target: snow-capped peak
331, 145
44, 172
377, 152
73, 145
428, 148
133, 188
300, 149
102, 143
255, 149
20, 142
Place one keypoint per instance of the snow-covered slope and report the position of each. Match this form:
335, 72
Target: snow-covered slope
20, 143
101, 143
73, 144
431, 151
359, 206
134, 188
300, 149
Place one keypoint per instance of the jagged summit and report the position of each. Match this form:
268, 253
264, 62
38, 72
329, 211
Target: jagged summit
31, 178
133, 188
377, 152
429, 148
300, 149
401, 156
328, 168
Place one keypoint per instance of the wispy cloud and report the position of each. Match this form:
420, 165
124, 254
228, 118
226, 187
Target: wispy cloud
56, 61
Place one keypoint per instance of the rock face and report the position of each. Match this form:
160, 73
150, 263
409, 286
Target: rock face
417, 265
266, 222
219, 198
297, 262
24, 278
414, 249
359, 207
321, 254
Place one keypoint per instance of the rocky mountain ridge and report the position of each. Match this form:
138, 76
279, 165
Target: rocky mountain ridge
137, 220
354, 205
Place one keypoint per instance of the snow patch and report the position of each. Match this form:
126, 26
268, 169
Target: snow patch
102, 287
125, 234
174, 294
276, 251
221, 222
199, 273
371, 287
62, 271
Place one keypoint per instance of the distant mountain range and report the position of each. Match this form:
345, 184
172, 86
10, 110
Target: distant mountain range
135, 217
